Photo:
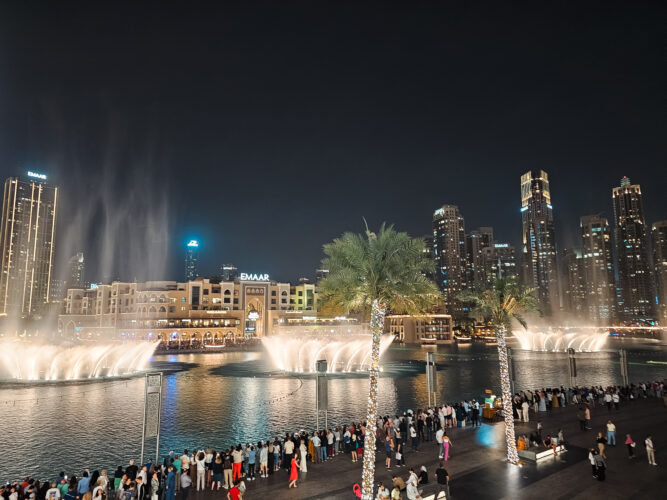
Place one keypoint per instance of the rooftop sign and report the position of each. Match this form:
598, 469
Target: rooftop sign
193, 244
36, 175
254, 277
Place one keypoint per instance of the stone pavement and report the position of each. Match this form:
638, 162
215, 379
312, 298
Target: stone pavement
477, 468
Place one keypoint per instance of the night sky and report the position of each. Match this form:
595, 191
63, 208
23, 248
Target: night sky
267, 129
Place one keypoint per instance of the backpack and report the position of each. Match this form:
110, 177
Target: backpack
357, 490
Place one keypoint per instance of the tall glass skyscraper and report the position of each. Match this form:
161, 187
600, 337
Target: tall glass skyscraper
539, 267
191, 258
598, 269
27, 232
632, 254
659, 234
449, 253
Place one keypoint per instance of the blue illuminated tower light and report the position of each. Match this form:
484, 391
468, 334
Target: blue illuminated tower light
191, 257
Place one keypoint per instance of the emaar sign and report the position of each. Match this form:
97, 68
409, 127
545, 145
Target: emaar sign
254, 277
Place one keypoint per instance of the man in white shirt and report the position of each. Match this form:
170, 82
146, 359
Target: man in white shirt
289, 450
438, 439
611, 433
185, 462
316, 444
650, 450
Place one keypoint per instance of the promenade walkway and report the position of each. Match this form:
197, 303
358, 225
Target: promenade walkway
478, 471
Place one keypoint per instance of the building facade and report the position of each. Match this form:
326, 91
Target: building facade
539, 264
574, 289
27, 233
659, 237
499, 261
476, 242
449, 255
199, 310
632, 253
429, 329
76, 271
598, 269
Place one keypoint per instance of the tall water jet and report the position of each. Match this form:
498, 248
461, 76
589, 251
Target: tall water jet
28, 362
346, 349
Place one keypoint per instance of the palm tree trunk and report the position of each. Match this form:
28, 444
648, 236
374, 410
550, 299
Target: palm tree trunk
512, 454
368, 474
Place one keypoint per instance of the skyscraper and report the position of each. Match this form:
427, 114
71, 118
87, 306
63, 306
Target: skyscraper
229, 272
539, 268
76, 268
476, 242
659, 234
499, 262
191, 258
27, 234
573, 283
632, 254
598, 269
449, 255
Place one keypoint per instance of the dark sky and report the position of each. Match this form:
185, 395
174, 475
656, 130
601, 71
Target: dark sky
268, 128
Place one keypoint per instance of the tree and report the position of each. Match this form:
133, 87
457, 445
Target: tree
500, 303
372, 274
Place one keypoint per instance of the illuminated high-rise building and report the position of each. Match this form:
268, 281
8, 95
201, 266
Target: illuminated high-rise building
449, 255
229, 272
191, 258
659, 235
632, 253
27, 233
499, 262
539, 267
76, 274
476, 241
574, 290
598, 269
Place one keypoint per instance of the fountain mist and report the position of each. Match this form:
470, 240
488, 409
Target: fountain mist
26, 361
345, 350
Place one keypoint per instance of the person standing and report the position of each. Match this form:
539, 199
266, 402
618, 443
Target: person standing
177, 472
601, 441
186, 482
587, 413
200, 460
237, 460
289, 452
631, 446
170, 487
316, 447
442, 478
524, 410
388, 447
650, 450
227, 468
611, 433
185, 464
438, 439
600, 467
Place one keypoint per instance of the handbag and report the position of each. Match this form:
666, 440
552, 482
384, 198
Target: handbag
399, 455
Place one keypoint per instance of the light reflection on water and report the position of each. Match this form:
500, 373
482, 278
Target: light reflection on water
227, 398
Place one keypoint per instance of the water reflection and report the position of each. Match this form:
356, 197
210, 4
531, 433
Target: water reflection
228, 398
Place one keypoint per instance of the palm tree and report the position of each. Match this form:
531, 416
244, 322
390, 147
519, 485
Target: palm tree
503, 301
371, 274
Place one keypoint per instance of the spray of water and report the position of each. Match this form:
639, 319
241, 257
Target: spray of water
28, 361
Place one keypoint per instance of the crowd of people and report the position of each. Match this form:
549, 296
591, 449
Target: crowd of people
236, 466
587, 400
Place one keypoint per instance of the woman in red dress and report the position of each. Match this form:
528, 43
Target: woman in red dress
294, 473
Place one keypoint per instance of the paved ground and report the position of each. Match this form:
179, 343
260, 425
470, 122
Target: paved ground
478, 470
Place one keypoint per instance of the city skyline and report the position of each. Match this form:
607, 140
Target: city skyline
388, 122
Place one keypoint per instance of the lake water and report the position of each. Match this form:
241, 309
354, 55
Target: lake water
219, 399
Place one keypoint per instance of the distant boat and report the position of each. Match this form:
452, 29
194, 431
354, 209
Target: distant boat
461, 339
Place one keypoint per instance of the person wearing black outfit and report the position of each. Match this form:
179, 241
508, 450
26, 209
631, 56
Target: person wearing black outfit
131, 471
442, 478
